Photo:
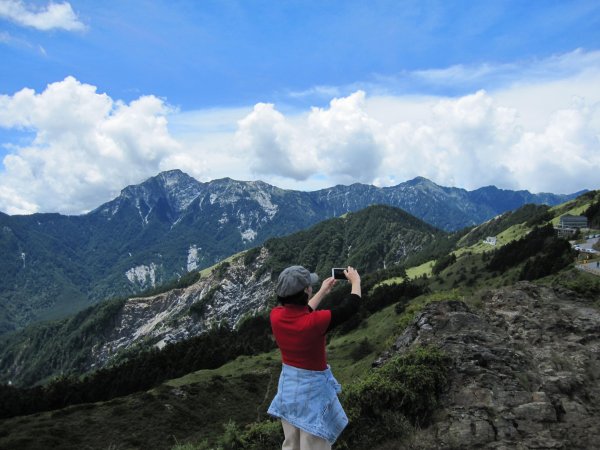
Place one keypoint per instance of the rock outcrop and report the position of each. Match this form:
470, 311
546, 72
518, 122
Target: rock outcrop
180, 314
525, 374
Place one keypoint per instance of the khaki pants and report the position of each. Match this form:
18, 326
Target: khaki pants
297, 439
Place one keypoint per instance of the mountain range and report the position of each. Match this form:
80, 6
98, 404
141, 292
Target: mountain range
171, 224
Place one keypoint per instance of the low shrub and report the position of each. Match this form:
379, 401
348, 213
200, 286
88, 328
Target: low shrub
385, 404
584, 284
251, 255
388, 401
363, 349
264, 435
443, 262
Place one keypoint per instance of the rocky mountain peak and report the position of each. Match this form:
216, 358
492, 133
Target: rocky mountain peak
422, 188
226, 191
418, 181
177, 187
175, 177
422, 183
174, 190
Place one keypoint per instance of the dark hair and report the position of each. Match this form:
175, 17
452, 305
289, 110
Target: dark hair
301, 298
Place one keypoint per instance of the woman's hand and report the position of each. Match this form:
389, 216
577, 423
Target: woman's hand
354, 278
352, 275
326, 286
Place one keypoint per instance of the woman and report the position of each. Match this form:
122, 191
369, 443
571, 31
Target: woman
306, 401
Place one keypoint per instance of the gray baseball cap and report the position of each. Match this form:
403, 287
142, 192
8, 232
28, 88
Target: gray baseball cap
294, 279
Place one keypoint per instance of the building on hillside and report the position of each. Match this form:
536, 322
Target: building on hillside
490, 240
565, 232
570, 221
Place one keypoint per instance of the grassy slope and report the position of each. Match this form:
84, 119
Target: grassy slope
193, 407
517, 231
469, 272
156, 419
412, 273
206, 272
575, 207
377, 329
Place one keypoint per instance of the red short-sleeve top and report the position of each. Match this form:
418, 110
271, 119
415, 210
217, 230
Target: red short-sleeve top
300, 335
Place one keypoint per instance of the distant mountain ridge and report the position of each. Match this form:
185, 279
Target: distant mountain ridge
448, 208
54, 265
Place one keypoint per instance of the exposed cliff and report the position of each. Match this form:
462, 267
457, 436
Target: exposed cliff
526, 371
106, 335
223, 295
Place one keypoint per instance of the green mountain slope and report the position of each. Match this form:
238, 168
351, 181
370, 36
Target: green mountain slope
375, 238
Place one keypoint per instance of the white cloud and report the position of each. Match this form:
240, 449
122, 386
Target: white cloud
86, 147
538, 133
317, 91
346, 140
457, 145
339, 141
55, 15
565, 154
273, 145
207, 149
540, 136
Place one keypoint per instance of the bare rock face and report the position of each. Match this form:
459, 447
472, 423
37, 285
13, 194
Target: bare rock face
526, 372
166, 318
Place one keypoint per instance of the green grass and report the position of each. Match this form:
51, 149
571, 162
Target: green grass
575, 211
377, 329
575, 207
259, 364
480, 247
206, 272
411, 273
194, 408
416, 305
512, 234
158, 419
419, 271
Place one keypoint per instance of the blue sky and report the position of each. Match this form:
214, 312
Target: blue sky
302, 94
